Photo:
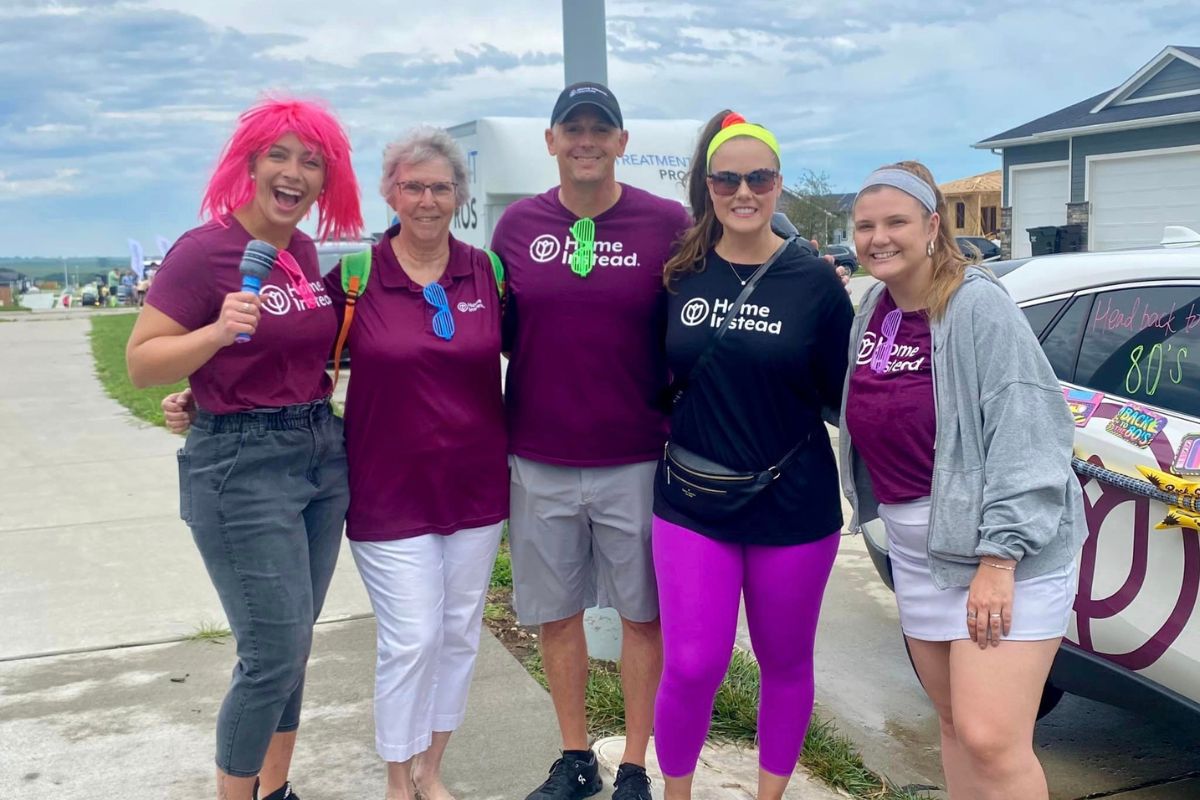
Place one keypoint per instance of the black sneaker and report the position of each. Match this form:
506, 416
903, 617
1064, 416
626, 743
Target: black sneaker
570, 778
632, 783
282, 793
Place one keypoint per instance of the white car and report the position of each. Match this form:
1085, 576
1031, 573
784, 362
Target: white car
1122, 331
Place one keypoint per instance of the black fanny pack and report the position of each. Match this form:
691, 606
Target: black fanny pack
706, 490
700, 487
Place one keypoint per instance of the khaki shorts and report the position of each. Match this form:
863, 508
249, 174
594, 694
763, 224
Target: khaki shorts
575, 529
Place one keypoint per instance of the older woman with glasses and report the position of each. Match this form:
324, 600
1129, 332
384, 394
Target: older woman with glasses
426, 440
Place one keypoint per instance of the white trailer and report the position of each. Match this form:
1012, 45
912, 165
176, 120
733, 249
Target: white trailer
507, 160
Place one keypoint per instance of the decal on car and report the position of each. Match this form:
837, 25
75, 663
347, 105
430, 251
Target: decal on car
1137, 425
1083, 404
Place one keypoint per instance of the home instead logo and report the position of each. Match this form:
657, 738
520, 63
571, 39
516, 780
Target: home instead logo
587, 90
752, 317
466, 307
548, 247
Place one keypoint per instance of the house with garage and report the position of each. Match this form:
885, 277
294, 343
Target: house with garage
1122, 165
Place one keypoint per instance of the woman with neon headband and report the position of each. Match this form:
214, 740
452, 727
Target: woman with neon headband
425, 434
746, 499
955, 433
263, 482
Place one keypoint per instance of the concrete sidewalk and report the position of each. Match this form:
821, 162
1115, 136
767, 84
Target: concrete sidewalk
101, 693
96, 564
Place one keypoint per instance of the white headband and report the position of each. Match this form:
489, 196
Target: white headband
906, 182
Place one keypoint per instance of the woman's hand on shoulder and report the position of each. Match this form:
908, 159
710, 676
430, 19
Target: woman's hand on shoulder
990, 601
842, 273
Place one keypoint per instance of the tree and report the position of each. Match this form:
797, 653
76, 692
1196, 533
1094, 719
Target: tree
811, 205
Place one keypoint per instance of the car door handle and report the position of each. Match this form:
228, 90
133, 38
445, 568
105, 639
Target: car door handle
1181, 496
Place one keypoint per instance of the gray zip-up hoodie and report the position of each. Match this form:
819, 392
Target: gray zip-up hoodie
1002, 479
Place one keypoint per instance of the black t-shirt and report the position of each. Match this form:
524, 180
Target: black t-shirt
774, 371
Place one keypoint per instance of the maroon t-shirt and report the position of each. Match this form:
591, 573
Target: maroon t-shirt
890, 414
284, 363
588, 367
424, 416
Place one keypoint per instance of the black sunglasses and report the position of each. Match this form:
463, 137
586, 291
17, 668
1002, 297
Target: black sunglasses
726, 183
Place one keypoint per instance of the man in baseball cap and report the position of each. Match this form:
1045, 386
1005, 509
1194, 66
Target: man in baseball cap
587, 93
583, 327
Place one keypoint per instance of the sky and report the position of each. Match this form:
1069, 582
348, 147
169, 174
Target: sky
113, 112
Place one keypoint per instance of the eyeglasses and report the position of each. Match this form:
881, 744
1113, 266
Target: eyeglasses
443, 321
442, 190
584, 231
725, 184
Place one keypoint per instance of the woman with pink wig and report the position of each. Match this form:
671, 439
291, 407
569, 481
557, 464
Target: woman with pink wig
262, 475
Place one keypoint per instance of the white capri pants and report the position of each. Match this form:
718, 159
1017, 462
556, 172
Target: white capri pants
428, 594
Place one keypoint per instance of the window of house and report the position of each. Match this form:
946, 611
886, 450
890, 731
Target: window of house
960, 215
1144, 344
988, 220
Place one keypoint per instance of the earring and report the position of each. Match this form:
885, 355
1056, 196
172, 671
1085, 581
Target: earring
929, 248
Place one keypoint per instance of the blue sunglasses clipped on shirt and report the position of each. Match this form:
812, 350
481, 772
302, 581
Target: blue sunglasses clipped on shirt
443, 321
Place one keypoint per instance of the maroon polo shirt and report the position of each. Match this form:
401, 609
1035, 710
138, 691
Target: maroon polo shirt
424, 416
588, 366
284, 363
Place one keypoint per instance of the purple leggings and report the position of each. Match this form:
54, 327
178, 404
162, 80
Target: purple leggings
700, 581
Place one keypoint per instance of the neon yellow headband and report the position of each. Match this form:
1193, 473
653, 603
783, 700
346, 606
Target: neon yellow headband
735, 125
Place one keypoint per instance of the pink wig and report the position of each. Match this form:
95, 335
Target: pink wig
339, 215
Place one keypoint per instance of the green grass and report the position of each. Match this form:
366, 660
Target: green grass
213, 632
828, 755
110, 332
502, 570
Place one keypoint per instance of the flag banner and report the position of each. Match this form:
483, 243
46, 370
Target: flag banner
136, 258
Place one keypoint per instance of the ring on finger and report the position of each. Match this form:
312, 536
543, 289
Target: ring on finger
994, 616
246, 308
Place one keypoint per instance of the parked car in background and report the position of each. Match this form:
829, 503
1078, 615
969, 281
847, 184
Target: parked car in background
1122, 332
972, 245
843, 256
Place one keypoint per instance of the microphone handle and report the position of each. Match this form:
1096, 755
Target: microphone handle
251, 284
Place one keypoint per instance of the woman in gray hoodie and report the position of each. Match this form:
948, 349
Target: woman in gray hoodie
956, 434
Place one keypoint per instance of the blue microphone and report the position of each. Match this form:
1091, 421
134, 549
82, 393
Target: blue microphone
257, 262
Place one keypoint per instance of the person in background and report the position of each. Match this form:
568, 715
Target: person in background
263, 482
750, 403
955, 433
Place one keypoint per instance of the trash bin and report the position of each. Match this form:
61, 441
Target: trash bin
1043, 240
1070, 239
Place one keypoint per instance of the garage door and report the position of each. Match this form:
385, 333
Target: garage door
1038, 196
1134, 197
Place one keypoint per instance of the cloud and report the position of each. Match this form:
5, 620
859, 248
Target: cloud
112, 112
61, 182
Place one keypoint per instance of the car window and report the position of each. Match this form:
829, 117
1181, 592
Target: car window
1144, 344
1040, 314
1061, 342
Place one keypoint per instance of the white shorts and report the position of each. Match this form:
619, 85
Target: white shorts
1041, 605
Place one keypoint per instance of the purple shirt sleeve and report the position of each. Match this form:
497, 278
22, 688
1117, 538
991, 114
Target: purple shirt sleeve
185, 288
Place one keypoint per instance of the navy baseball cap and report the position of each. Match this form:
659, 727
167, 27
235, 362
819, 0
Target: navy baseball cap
587, 93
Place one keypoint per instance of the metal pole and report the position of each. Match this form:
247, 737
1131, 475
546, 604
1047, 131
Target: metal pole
585, 41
